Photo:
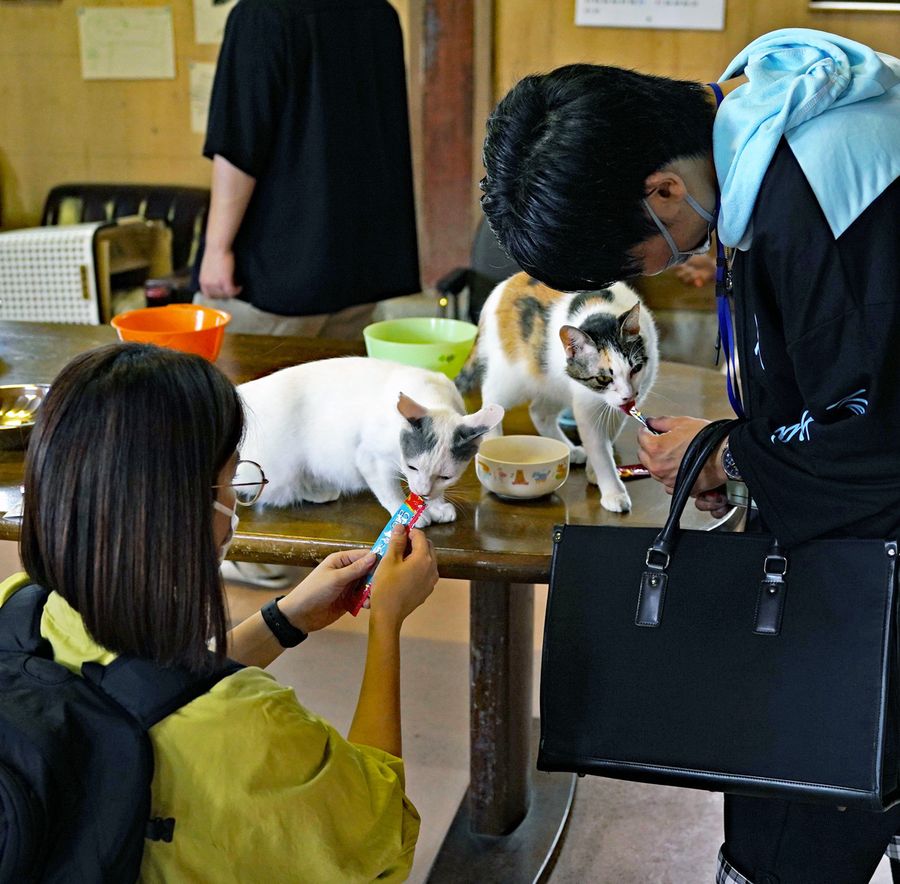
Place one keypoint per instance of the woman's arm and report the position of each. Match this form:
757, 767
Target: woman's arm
401, 585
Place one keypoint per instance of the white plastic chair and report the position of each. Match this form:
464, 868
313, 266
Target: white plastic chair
49, 274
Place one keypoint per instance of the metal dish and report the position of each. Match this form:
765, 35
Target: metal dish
18, 406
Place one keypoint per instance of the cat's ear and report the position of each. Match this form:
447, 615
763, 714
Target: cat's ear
410, 409
485, 419
576, 342
630, 323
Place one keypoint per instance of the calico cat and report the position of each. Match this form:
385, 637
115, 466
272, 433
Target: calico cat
323, 429
606, 363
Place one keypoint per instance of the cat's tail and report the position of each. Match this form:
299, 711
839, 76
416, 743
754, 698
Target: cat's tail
472, 374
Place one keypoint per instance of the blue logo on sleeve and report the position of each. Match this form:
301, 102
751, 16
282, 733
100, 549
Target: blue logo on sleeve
855, 403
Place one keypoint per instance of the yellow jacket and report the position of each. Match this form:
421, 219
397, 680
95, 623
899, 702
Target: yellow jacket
260, 788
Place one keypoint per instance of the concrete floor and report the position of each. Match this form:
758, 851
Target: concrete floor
619, 833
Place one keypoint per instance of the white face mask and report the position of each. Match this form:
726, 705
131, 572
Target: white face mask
679, 257
232, 514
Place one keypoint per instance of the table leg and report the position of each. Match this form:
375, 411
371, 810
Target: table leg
510, 822
501, 637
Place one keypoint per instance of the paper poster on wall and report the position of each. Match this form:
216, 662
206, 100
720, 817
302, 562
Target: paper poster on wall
202, 75
700, 15
209, 19
127, 43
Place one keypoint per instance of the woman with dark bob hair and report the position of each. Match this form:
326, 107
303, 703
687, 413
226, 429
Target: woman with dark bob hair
130, 492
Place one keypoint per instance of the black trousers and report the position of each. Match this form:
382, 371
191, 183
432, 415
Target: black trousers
785, 842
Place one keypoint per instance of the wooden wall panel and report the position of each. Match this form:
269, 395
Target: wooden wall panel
538, 35
56, 127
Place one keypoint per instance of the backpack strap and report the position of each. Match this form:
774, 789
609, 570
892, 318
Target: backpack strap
20, 622
149, 692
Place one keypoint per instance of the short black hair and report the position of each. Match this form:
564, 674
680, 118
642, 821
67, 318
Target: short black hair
567, 154
118, 515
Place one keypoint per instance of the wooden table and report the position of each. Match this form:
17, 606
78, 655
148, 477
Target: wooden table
511, 819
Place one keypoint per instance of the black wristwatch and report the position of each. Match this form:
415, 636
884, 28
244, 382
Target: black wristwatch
287, 634
729, 466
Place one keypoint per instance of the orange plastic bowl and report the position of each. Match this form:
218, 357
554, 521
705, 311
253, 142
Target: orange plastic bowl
187, 327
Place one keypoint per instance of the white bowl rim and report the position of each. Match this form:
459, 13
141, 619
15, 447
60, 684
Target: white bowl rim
564, 450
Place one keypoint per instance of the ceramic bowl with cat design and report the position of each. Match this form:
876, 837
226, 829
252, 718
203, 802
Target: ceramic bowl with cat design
187, 327
522, 466
431, 342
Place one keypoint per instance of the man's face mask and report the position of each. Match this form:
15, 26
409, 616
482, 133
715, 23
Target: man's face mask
679, 257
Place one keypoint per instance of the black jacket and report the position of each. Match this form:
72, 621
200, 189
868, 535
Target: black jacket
818, 331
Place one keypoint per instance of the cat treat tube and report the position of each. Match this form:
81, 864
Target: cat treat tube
407, 515
632, 471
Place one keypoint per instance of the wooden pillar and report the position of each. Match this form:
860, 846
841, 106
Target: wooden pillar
450, 49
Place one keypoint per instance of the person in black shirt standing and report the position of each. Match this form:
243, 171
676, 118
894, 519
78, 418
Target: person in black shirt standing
595, 174
312, 201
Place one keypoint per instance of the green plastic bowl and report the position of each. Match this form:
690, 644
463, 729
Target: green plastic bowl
427, 342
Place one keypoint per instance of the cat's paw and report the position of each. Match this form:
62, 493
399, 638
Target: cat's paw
313, 494
437, 512
615, 501
577, 455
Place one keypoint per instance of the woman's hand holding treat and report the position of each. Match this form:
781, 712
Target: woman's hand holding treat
403, 581
322, 596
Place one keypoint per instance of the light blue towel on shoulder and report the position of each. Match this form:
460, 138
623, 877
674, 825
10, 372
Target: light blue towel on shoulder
849, 155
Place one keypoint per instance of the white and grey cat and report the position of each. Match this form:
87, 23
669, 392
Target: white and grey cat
606, 362
338, 426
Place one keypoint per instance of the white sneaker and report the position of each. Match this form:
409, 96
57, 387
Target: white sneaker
257, 574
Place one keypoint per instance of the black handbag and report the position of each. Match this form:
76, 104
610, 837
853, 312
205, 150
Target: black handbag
722, 661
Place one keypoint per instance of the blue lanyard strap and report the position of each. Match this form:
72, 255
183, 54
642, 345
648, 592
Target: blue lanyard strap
723, 294
726, 329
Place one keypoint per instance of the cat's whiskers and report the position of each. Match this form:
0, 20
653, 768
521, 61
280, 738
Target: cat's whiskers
398, 473
605, 419
456, 497
459, 501
658, 395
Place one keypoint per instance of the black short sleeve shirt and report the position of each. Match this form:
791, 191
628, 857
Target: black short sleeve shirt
310, 99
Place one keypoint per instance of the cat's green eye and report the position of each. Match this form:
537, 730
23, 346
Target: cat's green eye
636, 369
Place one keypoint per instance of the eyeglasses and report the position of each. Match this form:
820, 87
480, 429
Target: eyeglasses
248, 484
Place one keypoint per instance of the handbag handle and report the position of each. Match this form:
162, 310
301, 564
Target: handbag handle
771, 595
696, 455
654, 579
